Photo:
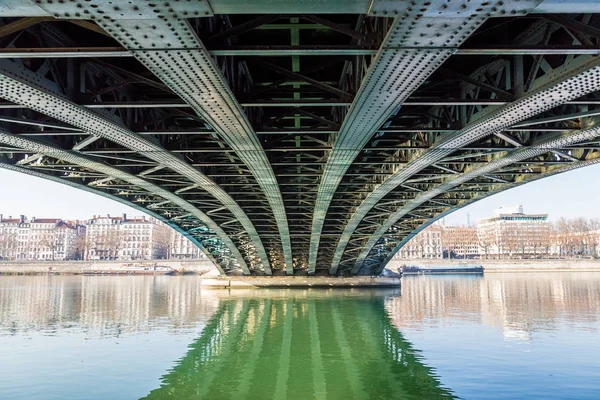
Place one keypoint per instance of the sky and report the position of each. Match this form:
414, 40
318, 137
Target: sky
572, 194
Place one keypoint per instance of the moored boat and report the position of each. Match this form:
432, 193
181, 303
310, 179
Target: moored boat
438, 270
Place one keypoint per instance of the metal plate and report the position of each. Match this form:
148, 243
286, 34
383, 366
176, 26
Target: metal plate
124, 10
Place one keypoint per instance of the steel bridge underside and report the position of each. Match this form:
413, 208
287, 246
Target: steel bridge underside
312, 137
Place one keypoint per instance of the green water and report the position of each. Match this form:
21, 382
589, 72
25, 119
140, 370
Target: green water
304, 348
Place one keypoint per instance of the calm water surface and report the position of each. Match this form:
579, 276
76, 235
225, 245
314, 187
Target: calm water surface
500, 336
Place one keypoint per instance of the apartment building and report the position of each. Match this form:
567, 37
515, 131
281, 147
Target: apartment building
39, 238
427, 244
122, 238
180, 247
460, 242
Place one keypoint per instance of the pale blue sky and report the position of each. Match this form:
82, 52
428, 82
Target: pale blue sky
572, 194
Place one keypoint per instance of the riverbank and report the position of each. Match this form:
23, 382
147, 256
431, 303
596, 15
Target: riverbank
198, 267
492, 266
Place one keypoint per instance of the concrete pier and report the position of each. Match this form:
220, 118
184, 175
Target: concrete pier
245, 282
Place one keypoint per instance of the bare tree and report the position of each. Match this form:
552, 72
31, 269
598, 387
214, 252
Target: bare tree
8, 242
484, 242
594, 236
419, 241
114, 242
162, 237
448, 241
80, 247
49, 242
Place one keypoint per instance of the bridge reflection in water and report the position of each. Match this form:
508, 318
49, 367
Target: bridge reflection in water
305, 346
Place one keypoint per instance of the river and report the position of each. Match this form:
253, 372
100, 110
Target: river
502, 336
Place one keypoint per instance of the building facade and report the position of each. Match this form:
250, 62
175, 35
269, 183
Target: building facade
460, 242
122, 238
101, 238
180, 247
39, 238
427, 244
512, 233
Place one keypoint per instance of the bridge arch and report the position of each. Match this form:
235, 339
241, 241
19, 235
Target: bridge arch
110, 172
522, 154
570, 81
24, 87
387, 256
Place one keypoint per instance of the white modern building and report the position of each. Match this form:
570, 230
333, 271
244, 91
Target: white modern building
511, 232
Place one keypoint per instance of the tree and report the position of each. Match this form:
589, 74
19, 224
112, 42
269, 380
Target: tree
594, 236
80, 246
114, 241
420, 241
48, 242
484, 242
449, 241
162, 237
509, 241
8, 242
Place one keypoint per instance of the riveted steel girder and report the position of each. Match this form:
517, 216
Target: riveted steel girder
430, 30
21, 8
22, 86
570, 167
160, 37
85, 188
570, 81
71, 157
522, 153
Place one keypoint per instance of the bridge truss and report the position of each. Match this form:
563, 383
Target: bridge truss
291, 137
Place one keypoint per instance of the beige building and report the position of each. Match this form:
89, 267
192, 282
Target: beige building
122, 238
181, 247
512, 233
104, 238
426, 244
11, 232
38, 239
460, 242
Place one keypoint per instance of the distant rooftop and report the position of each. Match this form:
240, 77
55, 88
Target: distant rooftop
509, 210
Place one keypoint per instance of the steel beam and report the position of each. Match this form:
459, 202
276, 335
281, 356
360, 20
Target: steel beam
88, 163
191, 74
298, 103
520, 154
25, 87
572, 80
395, 73
198, 8
286, 51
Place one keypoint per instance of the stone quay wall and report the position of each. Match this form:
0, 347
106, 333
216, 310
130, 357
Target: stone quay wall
582, 265
77, 267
